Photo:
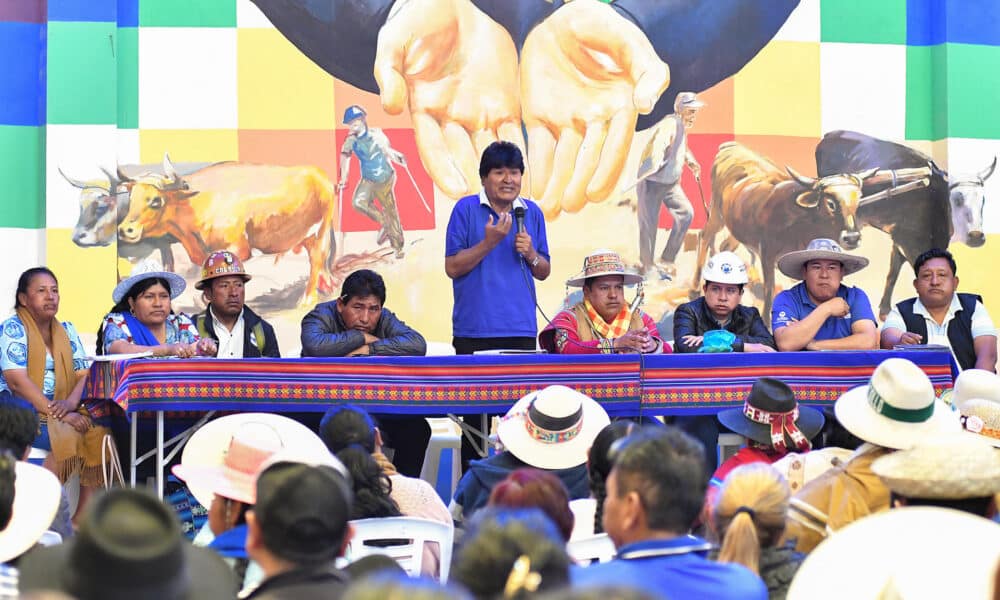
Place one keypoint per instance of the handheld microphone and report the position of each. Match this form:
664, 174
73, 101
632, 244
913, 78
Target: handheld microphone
519, 219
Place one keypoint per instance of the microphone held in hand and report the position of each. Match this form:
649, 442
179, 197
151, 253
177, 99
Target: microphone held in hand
519, 219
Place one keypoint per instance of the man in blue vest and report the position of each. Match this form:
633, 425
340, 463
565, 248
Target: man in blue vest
939, 315
378, 178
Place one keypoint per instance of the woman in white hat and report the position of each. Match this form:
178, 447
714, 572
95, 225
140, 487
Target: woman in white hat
142, 320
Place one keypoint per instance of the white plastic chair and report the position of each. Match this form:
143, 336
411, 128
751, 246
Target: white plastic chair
409, 555
583, 510
597, 547
729, 444
444, 435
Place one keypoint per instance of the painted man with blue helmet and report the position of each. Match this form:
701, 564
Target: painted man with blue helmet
378, 178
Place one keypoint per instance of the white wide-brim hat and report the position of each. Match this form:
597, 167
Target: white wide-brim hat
975, 384
149, 268
552, 428
819, 249
915, 553
897, 408
252, 438
600, 263
36, 500
948, 467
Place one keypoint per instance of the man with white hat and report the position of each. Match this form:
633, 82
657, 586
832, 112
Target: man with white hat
551, 429
603, 322
239, 331
660, 182
820, 313
725, 274
895, 411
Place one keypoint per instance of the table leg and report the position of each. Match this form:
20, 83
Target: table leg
131, 462
159, 453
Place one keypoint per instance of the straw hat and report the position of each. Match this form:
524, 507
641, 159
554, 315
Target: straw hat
820, 249
915, 553
949, 467
897, 408
223, 457
772, 401
552, 428
221, 263
975, 383
149, 268
600, 263
36, 500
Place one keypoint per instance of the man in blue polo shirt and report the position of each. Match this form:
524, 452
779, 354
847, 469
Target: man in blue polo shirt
820, 313
654, 493
493, 257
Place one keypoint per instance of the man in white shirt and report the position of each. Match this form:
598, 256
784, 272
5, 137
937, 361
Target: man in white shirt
940, 316
238, 331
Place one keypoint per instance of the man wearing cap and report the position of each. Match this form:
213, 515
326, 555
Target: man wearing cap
654, 494
660, 182
552, 430
378, 178
725, 274
939, 315
238, 331
820, 313
895, 411
603, 322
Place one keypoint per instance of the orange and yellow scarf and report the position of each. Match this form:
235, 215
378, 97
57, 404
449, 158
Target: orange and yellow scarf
616, 328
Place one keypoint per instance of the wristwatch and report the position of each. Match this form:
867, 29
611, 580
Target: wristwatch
534, 263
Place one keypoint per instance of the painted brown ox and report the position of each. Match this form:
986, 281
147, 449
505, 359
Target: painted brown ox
772, 211
239, 207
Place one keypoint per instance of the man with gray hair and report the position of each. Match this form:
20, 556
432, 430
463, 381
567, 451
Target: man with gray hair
660, 181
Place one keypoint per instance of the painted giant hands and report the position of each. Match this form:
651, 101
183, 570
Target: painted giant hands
584, 76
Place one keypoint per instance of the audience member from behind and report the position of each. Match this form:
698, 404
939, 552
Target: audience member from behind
358, 324
18, 427
654, 494
371, 486
550, 429
130, 545
534, 488
598, 467
748, 520
940, 315
958, 471
895, 411
298, 528
29, 497
509, 553
238, 331
395, 585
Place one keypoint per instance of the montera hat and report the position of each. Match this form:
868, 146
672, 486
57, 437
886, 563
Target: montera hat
149, 268
600, 263
221, 263
552, 428
771, 416
948, 467
819, 249
897, 408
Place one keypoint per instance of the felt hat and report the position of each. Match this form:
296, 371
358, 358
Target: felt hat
36, 500
914, 552
149, 268
129, 546
897, 408
221, 263
223, 456
600, 263
950, 467
771, 416
552, 428
819, 249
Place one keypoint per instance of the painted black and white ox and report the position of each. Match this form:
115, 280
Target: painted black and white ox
917, 220
103, 206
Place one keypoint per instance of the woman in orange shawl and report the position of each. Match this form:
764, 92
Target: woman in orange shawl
43, 361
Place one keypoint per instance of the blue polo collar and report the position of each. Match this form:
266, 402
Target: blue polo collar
483, 200
684, 544
807, 301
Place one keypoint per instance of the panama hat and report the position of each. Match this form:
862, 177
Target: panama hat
897, 408
820, 249
221, 263
129, 546
914, 552
552, 428
149, 268
771, 416
950, 467
975, 384
223, 457
36, 499
600, 263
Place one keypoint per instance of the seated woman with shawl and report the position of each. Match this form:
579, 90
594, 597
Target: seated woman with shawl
43, 361
142, 320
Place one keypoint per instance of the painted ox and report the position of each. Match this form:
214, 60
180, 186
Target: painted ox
103, 205
239, 207
925, 218
772, 211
